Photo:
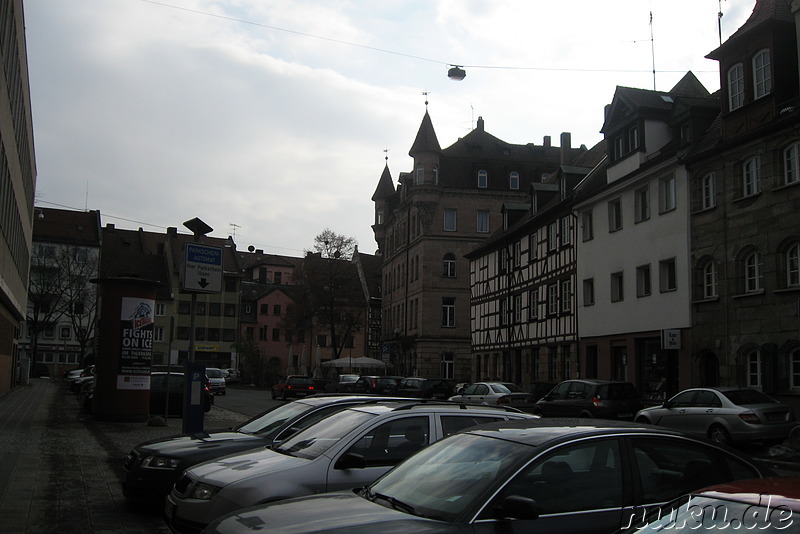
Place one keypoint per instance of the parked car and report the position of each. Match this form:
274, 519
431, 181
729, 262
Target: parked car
294, 386
152, 467
503, 393
216, 380
540, 389
233, 376
377, 385
425, 388
72, 374
343, 385
725, 415
86, 375
603, 399
757, 505
533, 476
349, 449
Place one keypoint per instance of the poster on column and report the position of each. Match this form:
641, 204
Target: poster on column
136, 339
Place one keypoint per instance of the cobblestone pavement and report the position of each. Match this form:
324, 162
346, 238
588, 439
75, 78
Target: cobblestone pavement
60, 469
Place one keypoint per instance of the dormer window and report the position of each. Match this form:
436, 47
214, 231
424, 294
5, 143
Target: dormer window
735, 87
483, 179
633, 138
762, 76
513, 180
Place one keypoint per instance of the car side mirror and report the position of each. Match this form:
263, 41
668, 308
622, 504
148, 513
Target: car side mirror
351, 460
518, 507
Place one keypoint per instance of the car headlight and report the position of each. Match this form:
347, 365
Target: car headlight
203, 491
160, 462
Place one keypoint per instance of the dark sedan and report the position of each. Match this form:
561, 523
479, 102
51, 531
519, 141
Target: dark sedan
546, 475
153, 467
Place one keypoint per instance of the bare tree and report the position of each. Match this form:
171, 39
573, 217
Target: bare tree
332, 300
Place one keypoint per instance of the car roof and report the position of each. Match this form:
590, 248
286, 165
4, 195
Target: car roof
536, 432
778, 491
332, 398
434, 406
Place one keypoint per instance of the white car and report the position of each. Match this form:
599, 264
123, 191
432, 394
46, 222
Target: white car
502, 393
349, 449
216, 380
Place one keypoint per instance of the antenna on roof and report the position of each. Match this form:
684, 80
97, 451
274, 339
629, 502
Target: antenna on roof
653, 50
719, 22
234, 226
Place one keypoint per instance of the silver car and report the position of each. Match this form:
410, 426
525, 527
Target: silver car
349, 449
216, 380
502, 393
724, 415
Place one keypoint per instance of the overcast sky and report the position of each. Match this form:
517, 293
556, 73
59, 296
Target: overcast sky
273, 115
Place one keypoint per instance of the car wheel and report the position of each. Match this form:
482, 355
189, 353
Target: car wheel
718, 434
273, 395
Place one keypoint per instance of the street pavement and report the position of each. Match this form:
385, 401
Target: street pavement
61, 470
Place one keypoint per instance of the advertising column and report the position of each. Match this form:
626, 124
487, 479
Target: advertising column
122, 369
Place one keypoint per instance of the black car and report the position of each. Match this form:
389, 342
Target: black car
377, 385
533, 476
425, 388
604, 399
152, 467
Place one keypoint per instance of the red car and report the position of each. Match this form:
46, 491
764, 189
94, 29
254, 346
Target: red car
756, 505
295, 386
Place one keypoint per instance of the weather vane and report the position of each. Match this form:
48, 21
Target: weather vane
425, 94
386, 154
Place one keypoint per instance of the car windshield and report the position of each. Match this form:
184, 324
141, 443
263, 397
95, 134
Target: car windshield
699, 513
743, 397
506, 387
316, 439
442, 480
214, 373
274, 418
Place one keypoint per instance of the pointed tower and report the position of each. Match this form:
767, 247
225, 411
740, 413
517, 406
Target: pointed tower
381, 197
426, 153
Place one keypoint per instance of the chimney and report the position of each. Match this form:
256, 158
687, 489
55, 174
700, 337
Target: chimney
566, 147
172, 231
110, 227
546, 142
480, 124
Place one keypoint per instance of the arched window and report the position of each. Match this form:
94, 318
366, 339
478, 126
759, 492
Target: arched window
751, 176
709, 190
707, 286
794, 369
789, 264
752, 359
513, 180
735, 87
762, 74
483, 179
751, 271
449, 265
420, 174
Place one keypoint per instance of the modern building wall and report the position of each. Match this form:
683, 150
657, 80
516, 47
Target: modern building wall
17, 186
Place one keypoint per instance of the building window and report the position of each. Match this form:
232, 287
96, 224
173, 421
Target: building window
276, 309
588, 292
668, 194
449, 220
617, 289
264, 309
420, 174
552, 236
794, 371
793, 265
709, 190
435, 175
449, 265
513, 180
587, 225
762, 74
619, 147
483, 222
322, 340
533, 305
517, 251
552, 299
751, 176
709, 281
791, 159
517, 309
65, 332
229, 310
448, 312
735, 87
184, 307
633, 138
158, 334
753, 369
533, 244
752, 272
643, 286
448, 365
642, 204
614, 215
214, 309
566, 230
667, 275
379, 216
160, 309
566, 296
483, 179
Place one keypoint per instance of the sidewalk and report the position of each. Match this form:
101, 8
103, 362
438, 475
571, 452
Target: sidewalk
60, 470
